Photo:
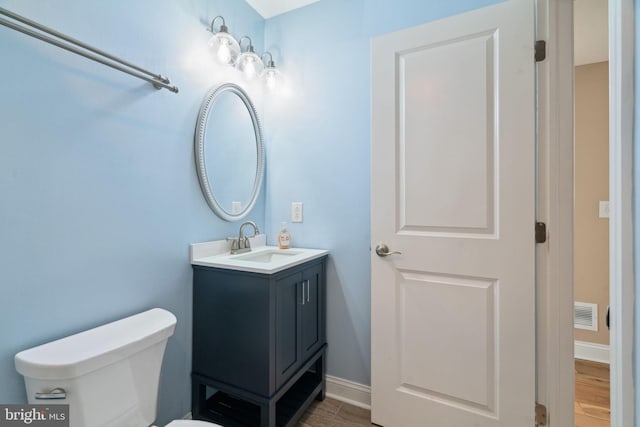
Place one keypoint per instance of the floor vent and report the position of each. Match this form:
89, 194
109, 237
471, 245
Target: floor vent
585, 316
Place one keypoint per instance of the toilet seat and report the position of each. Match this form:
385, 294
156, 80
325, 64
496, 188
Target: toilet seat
191, 423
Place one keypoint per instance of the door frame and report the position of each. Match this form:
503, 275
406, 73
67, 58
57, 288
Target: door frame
621, 288
555, 206
554, 258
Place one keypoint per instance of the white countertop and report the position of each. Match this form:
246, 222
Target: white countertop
261, 259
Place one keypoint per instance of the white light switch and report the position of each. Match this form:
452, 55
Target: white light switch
296, 212
236, 207
604, 209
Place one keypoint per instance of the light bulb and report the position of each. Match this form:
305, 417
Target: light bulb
224, 53
224, 48
249, 64
249, 69
272, 78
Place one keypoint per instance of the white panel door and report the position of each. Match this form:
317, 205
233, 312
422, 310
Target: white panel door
453, 186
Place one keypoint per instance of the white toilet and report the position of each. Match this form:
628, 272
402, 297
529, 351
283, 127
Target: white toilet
108, 375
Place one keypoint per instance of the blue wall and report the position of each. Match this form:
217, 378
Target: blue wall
99, 199
318, 148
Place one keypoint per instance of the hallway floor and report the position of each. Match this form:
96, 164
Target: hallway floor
592, 408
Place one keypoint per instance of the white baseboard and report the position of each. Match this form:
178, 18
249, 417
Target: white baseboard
349, 392
591, 351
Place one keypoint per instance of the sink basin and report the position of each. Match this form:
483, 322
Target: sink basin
268, 255
261, 259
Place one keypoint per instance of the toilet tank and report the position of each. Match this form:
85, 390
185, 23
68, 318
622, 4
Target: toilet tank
110, 374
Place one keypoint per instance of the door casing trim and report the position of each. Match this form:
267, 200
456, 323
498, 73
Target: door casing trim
621, 289
555, 259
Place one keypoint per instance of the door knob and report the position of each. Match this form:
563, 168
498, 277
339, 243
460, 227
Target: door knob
383, 250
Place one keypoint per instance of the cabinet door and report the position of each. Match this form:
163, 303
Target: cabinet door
288, 301
312, 310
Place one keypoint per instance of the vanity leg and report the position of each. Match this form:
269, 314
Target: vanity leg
198, 398
320, 368
268, 414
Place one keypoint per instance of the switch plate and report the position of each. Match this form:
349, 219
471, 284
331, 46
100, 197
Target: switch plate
296, 212
604, 209
236, 207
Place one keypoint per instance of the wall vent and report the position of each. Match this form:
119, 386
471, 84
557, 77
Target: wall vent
585, 316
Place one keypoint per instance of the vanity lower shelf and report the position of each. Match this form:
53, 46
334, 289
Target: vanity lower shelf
231, 411
232, 407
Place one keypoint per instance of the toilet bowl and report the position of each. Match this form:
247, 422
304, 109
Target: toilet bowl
109, 375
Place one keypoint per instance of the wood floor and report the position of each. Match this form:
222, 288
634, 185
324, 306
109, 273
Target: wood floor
591, 406
333, 413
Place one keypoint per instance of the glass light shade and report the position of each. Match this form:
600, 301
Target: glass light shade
250, 64
224, 47
272, 78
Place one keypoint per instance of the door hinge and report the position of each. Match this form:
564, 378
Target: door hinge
541, 414
541, 232
541, 50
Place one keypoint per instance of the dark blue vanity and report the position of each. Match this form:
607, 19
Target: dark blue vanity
259, 344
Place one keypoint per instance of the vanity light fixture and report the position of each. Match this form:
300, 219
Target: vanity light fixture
225, 48
271, 77
249, 63
228, 51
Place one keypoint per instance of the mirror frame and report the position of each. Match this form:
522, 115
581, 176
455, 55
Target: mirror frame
201, 128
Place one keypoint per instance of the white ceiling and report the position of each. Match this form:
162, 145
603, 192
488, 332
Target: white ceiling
591, 40
269, 8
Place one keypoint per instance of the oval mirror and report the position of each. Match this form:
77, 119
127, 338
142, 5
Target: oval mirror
229, 152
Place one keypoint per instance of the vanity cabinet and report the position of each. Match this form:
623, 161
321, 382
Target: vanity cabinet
259, 344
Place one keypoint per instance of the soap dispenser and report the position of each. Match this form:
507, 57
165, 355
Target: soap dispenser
284, 238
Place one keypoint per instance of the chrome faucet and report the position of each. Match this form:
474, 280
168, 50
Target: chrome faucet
242, 243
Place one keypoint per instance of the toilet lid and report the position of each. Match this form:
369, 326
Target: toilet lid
191, 423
